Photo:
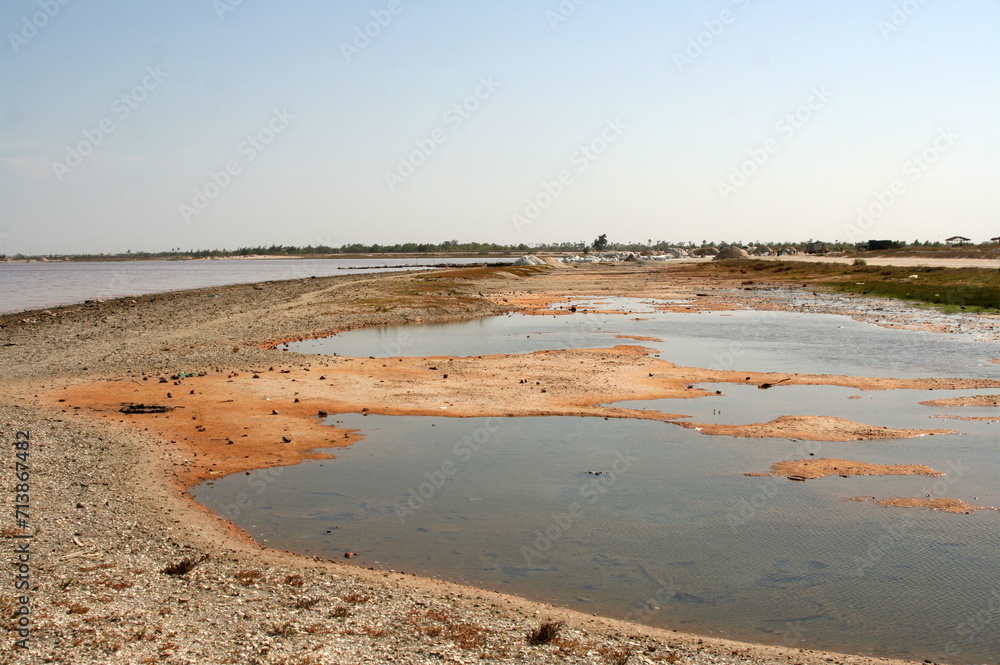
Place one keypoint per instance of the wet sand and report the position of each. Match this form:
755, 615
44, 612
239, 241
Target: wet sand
971, 400
956, 506
226, 422
808, 469
110, 508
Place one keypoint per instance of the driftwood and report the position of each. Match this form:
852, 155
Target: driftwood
144, 408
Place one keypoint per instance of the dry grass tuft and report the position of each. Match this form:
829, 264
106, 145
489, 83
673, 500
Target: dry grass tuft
184, 566
248, 577
615, 655
100, 566
544, 633
438, 624
305, 603
355, 598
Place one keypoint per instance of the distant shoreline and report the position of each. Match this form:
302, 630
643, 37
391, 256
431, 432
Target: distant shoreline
275, 257
977, 255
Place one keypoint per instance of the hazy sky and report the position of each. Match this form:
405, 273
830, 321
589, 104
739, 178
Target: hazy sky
201, 124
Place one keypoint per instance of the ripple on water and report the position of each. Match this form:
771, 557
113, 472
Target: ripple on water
679, 536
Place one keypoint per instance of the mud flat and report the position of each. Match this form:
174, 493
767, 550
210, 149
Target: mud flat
821, 468
974, 400
945, 505
126, 568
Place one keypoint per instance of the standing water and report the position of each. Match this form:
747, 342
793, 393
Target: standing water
48, 284
656, 523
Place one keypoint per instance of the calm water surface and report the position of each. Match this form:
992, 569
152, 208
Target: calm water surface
671, 532
37, 285
741, 340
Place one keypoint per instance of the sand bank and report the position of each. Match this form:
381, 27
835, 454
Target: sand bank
807, 469
957, 506
225, 422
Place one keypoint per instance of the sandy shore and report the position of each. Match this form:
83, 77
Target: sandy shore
956, 506
808, 469
109, 510
972, 400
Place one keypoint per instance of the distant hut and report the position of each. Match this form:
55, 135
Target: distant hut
787, 251
957, 241
762, 250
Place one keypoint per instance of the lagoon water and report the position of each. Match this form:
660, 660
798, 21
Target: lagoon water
739, 340
672, 533
37, 285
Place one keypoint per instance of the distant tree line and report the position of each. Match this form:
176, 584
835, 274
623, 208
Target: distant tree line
476, 248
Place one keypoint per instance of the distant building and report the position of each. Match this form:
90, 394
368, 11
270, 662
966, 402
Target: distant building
995, 240
872, 245
816, 247
957, 240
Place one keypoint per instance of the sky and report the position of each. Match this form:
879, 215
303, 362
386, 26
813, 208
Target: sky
202, 124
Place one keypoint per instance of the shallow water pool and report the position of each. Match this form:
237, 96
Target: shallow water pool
670, 533
657, 523
739, 340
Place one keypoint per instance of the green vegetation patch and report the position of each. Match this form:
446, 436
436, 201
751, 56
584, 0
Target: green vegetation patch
949, 289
